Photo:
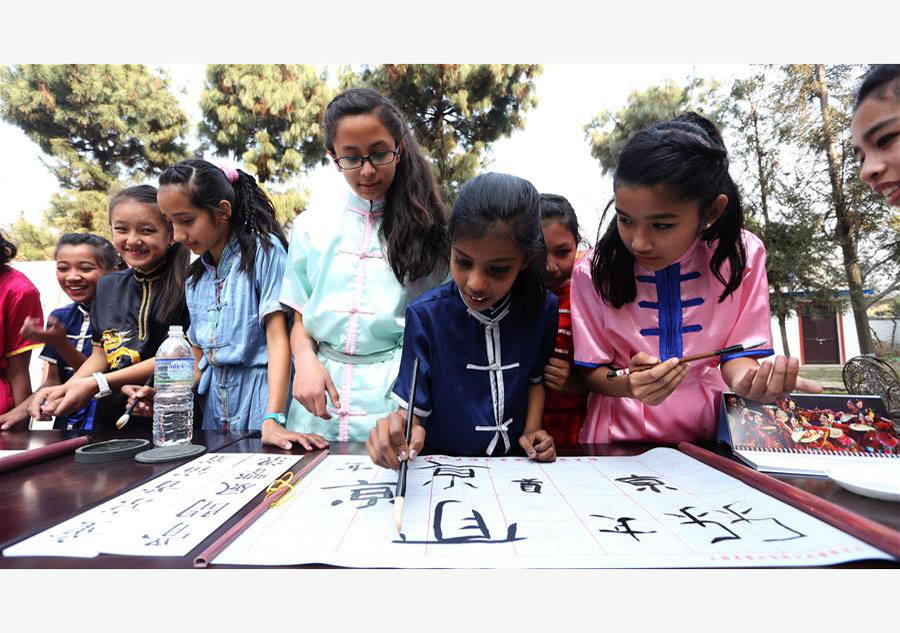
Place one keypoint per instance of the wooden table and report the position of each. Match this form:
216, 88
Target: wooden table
39, 496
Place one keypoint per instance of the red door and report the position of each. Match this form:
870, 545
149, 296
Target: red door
820, 339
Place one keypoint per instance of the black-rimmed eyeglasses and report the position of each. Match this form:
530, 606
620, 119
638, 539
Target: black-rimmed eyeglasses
376, 159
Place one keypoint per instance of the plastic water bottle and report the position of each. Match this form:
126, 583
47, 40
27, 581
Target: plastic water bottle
173, 377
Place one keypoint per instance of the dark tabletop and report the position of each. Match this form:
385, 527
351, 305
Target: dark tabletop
41, 495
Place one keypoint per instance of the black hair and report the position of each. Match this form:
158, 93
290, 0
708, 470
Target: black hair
413, 231
171, 302
494, 198
558, 209
252, 212
882, 81
104, 252
687, 159
8, 250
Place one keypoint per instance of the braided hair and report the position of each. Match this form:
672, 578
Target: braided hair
687, 157
253, 220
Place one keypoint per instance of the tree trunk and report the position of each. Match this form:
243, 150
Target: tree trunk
844, 231
782, 325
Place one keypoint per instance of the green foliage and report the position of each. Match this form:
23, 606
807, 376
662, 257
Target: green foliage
800, 262
98, 122
608, 132
289, 205
79, 212
33, 242
456, 110
268, 114
69, 212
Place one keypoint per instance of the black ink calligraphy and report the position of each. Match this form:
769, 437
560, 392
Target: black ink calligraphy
370, 493
642, 482
529, 485
622, 527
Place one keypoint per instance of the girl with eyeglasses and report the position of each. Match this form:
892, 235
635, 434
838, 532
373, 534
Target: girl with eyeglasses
351, 271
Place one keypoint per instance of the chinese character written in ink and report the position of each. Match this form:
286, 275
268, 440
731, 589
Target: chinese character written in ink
622, 527
529, 485
86, 528
161, 487
207, 509
355, 466
174, 532
194, 470
129, 506
742, 518
258, 473
474, 523
215, 459
446, 470
642, 482
693, 519
233, 489
272, 460
364, 491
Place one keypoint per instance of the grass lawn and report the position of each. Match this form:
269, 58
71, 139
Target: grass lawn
829, 376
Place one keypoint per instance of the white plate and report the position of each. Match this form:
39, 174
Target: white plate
877, 483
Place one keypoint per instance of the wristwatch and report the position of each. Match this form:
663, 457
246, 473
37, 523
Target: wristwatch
102, 384
278, 417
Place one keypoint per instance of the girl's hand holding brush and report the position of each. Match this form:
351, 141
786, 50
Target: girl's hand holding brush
652, 386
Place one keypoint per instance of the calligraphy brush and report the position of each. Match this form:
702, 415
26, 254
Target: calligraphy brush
123, 419
400, 493
615, 373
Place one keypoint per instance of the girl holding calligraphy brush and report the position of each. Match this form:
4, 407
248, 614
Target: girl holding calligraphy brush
482, 339
675, 274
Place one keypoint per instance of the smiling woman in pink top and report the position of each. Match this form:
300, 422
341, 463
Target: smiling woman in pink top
675, 274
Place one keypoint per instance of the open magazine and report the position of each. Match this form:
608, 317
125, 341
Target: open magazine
811, 434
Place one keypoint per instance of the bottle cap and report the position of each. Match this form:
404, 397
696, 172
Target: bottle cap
176, 330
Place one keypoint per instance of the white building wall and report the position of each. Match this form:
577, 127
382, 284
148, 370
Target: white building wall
848, 343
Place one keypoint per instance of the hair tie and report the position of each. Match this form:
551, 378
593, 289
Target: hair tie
230, 174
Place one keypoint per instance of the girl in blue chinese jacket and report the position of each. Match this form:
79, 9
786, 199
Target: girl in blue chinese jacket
81, 260
482, 339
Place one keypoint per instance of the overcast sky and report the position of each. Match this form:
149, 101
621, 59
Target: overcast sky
551, 151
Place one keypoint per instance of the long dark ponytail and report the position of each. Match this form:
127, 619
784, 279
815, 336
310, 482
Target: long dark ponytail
252, 212
687, 157
413, 232
171, 303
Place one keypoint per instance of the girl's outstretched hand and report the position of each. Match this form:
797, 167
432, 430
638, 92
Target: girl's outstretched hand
276, 435
387, 440
78, 393
311, 382
45, 400
653, 386
539, 446
53, 334
772, 380
144, 396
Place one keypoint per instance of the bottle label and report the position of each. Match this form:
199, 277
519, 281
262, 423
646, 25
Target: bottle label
173, 370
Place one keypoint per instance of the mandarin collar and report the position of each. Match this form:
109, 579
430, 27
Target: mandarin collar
363, 206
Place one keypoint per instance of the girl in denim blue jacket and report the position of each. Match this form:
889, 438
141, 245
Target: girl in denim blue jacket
239, 329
